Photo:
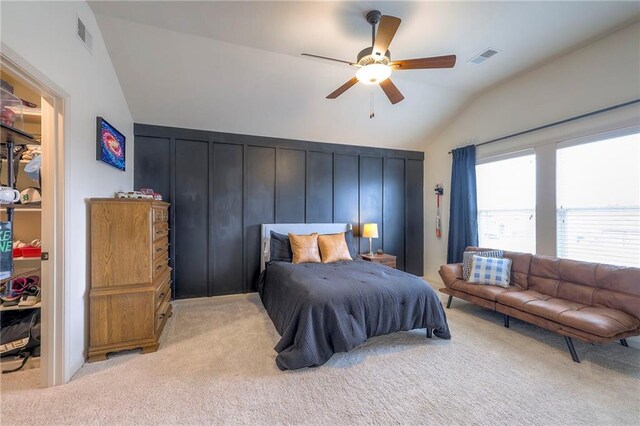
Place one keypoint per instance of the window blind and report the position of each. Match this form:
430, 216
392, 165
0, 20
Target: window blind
598, 192
603, 235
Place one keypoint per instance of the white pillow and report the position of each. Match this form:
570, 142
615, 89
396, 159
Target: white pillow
490, 270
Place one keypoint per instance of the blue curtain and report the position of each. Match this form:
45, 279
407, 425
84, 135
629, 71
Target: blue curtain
463, 209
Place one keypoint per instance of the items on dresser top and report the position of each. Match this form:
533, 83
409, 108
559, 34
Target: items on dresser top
144, 193
134, 195
130, 289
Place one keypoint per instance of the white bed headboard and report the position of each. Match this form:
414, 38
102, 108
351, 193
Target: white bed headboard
295, 228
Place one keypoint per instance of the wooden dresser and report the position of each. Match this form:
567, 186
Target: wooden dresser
130, 293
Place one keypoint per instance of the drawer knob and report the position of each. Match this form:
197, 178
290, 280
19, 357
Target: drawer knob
161, 296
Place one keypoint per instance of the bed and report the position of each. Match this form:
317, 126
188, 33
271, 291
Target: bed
321, 309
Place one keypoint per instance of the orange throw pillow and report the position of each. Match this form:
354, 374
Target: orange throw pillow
333, 247
305, 248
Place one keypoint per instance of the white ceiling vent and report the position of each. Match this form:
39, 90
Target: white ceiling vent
85, 36
489, 53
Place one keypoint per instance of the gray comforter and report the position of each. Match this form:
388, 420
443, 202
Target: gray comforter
320, 309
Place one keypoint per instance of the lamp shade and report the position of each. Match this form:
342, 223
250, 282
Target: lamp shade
370, 230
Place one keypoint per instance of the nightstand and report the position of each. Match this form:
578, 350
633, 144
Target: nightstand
382, 259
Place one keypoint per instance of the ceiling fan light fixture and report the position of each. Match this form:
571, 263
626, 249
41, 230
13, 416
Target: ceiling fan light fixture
373, 73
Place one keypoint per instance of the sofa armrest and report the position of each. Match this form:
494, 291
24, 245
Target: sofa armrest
451, 273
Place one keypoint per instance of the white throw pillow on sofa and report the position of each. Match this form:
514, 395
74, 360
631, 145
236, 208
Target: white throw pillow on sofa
490, 270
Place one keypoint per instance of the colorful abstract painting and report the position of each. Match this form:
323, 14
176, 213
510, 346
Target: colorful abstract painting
110, 145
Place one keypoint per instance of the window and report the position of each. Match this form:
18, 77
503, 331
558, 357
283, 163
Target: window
507, 204
598, 199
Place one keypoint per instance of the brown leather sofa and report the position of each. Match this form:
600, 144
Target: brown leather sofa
592, 302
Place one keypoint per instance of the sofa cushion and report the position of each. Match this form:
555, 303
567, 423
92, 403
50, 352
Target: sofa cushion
467, 259
601, 321
489, 292
521, 298
592, 284
520, 264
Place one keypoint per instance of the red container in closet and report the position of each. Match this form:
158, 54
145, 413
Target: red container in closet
17, 252
30, 251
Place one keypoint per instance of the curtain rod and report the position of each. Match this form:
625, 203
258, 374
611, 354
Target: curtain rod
577, 117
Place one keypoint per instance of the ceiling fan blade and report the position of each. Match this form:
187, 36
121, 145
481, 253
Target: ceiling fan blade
328, 59
424, 63
340, 90
391, 91
386, 30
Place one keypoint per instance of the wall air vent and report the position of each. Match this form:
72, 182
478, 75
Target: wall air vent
489, 53
85, 36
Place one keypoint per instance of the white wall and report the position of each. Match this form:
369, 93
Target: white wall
596, 76
43, 35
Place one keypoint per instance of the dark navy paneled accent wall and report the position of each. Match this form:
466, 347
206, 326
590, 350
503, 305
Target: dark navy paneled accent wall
223, 186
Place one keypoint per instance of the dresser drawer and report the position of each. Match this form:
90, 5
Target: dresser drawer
161, 248
160, 214
159, 266
163, 288
162, 314
389, 263
160, 230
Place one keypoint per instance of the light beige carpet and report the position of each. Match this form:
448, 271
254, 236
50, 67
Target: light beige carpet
216, 365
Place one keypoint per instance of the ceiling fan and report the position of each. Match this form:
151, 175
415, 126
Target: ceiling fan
374, 63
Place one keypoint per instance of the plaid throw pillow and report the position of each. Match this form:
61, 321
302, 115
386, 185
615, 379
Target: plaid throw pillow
467, 257
490, 270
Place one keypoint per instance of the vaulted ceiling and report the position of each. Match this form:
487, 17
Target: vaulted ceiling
236, 66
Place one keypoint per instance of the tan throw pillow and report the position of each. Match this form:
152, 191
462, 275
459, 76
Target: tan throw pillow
333, 247
305, 248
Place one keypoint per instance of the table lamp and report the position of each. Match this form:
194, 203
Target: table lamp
370, 231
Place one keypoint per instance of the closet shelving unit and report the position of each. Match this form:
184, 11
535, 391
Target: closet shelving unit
15, 141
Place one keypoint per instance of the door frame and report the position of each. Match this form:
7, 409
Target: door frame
53, 315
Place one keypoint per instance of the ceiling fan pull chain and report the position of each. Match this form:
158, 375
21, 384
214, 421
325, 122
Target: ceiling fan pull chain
371, 106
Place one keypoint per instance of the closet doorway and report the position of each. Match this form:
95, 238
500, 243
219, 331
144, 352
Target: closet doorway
33, 288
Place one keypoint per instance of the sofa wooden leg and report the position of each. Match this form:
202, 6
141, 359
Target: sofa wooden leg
506, 321
429, 333
449, 301
572, 350
624, 343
